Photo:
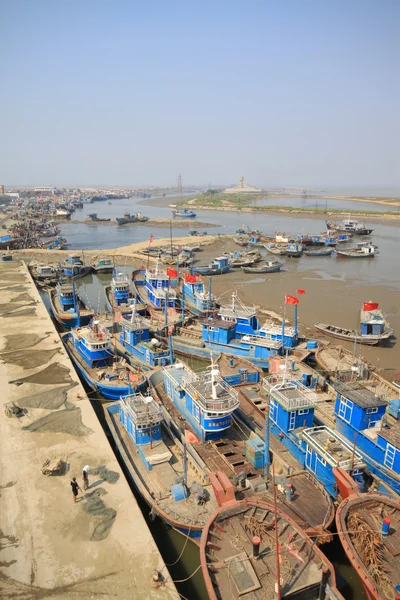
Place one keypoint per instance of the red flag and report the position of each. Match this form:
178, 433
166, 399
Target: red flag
301, 291
151, 238
291, 300
370, 306
190, 278
172, 272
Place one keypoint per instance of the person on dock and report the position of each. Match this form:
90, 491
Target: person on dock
85, 476
75, 488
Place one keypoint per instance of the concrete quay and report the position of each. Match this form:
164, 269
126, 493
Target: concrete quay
49, 546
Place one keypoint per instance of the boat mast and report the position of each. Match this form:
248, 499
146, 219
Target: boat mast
278, 557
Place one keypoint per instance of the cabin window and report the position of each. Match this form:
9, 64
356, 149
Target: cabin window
321, 460
371, 411
216, 329
303, 411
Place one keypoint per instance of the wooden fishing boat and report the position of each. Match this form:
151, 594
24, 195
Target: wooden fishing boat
352, 335
241, 241
294, 250
155, 459
278, 249
244, 546
369, 530
363, 252
103, 265
68, 309
269, 267
325, 252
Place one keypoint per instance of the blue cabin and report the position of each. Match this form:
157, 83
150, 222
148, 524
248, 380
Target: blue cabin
141, 417
66, 296
157, 286
195, 297
120, 288
204, 399
291, 414
360, 418
372, 322
73, 265
136, 339
93, 345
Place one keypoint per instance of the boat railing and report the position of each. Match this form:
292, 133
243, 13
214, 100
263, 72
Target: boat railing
162, 292
352, 462
290, 394
262, 341
142, 410
192, 382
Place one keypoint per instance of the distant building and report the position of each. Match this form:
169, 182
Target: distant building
1, 189
45, 190
242, 188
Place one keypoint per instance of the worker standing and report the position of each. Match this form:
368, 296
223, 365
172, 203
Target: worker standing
75, 488
85, 476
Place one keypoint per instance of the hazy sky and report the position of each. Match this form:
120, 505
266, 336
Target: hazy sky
131, 93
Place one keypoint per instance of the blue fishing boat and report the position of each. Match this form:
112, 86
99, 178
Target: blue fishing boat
205, 400
318, 449
268, 267
119, 298
236, 330
154, 286
138, 346
218, 266
173, 481
361, 418
68, 309
74, 267
195, 298
184, 212
90, 349
294, 250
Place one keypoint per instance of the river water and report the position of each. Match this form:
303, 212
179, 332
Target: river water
335, 289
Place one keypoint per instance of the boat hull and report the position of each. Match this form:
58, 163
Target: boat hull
262, 269
351, 336
193, 532
185, 349
68, 320
207, 271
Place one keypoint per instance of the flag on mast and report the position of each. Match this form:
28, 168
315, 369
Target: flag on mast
301, 291
291, 300
370, 306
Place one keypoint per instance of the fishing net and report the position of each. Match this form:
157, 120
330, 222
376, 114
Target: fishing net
50, 375
60, 421
20, 341
50, 399
105, 474
29, 359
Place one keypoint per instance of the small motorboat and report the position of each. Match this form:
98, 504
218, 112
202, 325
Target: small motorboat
294, 250
218, 266
269, 267
374, 328
185, 213
363, 252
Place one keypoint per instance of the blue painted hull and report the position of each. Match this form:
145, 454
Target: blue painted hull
185, 349
109, 392
209, 271
69, 320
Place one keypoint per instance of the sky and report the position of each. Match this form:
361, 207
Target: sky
289, 93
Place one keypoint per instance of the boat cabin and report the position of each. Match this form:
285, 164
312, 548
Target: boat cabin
93, 344
66, 296
291, 413
372, 322
157, 284
45, 271
326, 450
120, 288
73, 265
141, 417
204, 399
360, 417
194, 293
136, 339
